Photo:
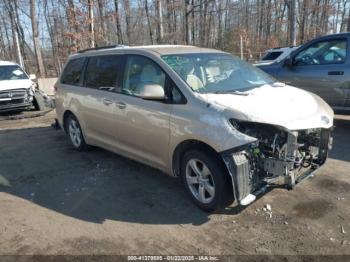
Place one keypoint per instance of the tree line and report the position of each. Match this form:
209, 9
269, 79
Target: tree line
40, 34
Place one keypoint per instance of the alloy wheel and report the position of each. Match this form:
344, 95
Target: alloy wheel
75, 133
200, 181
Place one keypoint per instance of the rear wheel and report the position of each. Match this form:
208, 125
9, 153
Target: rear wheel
75, 133
206, 181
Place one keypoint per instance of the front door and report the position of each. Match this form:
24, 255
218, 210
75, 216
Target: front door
143, 125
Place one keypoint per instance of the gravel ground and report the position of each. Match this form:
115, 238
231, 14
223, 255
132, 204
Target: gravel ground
55, 200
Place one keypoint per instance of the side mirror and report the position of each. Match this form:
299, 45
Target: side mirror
32, 77
288, 62
151, 92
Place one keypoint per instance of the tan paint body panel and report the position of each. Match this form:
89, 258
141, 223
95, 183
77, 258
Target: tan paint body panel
150, 131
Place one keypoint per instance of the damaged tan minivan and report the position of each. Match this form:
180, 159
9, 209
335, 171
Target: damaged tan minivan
226, 128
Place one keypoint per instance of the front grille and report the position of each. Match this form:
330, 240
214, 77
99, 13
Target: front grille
12, 102
13, 94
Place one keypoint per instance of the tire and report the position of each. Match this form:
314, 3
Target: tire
75, 133
203, 172
38, 102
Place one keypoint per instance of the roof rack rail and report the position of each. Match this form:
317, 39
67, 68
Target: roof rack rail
99, 48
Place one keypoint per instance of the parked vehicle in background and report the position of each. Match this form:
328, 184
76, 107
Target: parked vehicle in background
226, 128
321, 66
275, 55
17, 89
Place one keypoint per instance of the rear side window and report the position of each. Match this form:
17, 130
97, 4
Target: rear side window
103, 72
73, 72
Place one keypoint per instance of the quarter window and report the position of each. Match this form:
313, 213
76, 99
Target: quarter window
271, 56
140, 71
73, 72
323, 53
102, 72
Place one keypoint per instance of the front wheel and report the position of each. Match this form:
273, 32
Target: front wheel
206, 180
75, 133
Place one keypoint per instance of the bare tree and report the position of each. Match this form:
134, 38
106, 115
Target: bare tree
36, 41
117, 21
73, 25
348, 26
149, 22
159, 14
292, 24
127, 19
103, 35
91, 23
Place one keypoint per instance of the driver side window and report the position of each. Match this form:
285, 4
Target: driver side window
323, 53
141, 71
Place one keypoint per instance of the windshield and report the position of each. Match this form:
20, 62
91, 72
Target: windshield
216, 72
12, 72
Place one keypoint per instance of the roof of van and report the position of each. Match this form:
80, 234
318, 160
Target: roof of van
6, 63
160, 49
175, 49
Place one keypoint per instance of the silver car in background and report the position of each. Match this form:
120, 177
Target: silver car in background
320, 66
275, 55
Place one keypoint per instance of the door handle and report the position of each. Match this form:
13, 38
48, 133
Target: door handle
107, 102
121, 105
336, 73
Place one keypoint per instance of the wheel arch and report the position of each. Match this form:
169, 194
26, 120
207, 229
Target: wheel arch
66, 114
192, 144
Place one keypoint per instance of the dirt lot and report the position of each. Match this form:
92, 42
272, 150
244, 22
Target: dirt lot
54, 200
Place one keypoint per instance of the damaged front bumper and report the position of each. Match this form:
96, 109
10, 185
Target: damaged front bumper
254, 168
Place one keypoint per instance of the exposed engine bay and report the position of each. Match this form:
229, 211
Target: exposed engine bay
278, 158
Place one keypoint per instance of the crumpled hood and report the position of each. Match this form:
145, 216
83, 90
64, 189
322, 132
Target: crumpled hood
15, 84
284, 106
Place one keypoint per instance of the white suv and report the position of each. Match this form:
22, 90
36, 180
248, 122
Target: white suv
16, 87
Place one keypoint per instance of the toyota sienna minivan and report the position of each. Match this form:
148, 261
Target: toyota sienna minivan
225, 128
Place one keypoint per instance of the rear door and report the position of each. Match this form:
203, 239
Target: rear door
322, 68
102, 79
70, 88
